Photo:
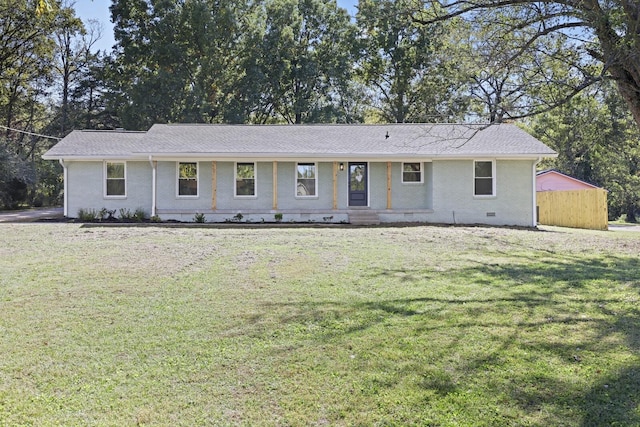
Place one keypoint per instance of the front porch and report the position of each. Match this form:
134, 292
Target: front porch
359, 216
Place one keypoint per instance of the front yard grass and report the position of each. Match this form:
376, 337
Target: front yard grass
430, 326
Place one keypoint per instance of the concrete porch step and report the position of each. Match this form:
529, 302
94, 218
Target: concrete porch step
363, 217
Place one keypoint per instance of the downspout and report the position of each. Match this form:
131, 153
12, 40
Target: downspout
65, 192
154, 175
534, 196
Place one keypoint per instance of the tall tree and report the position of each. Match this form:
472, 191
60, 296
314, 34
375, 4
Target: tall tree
405, 64
73, 57
596, 140
26, 50
509, 83
88, 103
25, 57
608, 32
299, 61
174, 60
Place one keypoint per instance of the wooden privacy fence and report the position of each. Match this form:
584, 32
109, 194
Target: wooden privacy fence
574, 208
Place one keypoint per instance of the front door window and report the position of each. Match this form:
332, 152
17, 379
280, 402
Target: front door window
357, 184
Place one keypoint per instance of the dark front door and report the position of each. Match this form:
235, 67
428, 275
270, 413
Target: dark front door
358, 184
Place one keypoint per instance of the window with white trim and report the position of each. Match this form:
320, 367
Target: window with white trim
306, 182
187, 179
484, 178
412, 172
245, 180
115, 179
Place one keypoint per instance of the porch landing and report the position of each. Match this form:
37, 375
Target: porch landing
363, 216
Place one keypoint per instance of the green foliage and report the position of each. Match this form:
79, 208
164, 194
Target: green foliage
299, 62
585, 41
278, 217
44, 57
413, 72
139, 215
26, 53
597, 141
304, 61
275, 61
88, 214
125, 214
96, 215
177, 61
199, 218
15, 177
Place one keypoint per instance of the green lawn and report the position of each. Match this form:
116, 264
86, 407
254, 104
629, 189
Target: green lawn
429, 326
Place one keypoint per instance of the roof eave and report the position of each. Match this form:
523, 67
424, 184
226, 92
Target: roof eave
93, 158
347, 156
293, 156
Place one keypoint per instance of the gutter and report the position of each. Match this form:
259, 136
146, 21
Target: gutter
154, 178
327, 157
534, 195
65, 193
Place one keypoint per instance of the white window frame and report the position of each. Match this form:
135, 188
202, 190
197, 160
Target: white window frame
493, 178
187, 196
421, 171
106, 178
255, 181
295, 189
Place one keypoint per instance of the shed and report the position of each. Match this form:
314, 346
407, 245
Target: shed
569, 202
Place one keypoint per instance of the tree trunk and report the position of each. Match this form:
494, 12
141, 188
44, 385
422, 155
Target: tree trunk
631, 213
627, 79
619, 52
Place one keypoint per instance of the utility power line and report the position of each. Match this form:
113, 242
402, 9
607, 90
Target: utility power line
30, 133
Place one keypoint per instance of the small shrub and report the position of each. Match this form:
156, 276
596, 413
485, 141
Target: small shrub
278, 217
125, 214
238, 217
139, 215
199, 218
87, 214
155, 218
102, 214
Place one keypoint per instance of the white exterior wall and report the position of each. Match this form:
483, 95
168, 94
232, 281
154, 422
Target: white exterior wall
86, 188
411, 195
455, 203
287, 192
444, 196
167, 191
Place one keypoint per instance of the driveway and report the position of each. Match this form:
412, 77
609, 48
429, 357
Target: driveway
624, 227
30, 215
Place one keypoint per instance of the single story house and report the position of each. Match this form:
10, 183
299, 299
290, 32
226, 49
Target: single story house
440, 173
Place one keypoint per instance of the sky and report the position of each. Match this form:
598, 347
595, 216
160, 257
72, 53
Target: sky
99, 10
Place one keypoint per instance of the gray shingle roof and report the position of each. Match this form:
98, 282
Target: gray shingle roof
96, 143
304, 141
